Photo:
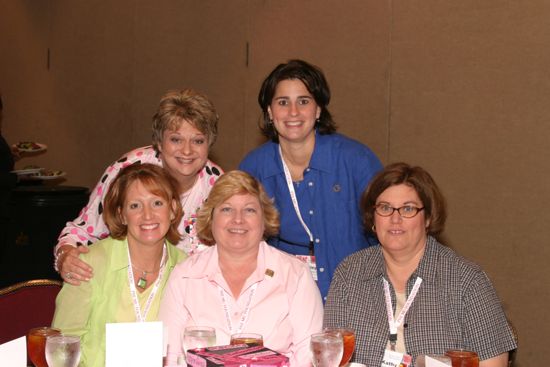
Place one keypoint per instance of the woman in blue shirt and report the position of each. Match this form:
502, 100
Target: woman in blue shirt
315, 175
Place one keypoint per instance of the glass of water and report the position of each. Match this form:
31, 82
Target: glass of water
63, 350
198, 337
326, 349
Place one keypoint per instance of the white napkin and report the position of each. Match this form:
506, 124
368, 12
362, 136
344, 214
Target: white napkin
14, 353
136, 344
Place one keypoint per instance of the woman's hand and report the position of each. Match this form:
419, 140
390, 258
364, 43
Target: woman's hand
72, 269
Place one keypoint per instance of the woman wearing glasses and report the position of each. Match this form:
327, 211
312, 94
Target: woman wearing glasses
411, 295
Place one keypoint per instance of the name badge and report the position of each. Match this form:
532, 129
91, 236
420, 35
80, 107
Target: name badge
395, 359
310, 261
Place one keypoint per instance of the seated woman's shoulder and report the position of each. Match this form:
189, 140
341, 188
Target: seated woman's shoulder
450, 259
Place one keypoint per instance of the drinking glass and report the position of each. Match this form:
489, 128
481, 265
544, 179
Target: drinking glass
247, 338
463, 358
326, 349
348, 336
63, 350
198, 337
36, 344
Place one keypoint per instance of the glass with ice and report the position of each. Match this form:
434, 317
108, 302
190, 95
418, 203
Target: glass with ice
63, 350
327, 349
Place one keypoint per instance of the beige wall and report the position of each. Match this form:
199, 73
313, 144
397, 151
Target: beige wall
459, 87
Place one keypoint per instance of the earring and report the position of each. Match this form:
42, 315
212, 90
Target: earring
373, 228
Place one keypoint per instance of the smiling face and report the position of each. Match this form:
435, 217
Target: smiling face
397, 235
146, 215
293, 111
238, 224
184, 153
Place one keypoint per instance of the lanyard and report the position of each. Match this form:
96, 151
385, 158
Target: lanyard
244, 315
395, 323
295, 200
133, 292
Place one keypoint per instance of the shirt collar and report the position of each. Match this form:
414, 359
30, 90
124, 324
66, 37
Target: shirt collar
320, 159
428, 264
119, 254
205, 264
426, 268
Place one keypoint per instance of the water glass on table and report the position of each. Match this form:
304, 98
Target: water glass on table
327, 349
63, 350
247, 338
348, 338
36, 344
463, 358
198, 337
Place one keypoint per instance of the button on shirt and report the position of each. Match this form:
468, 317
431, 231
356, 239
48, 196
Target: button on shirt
339, 171
285, 308
455, 307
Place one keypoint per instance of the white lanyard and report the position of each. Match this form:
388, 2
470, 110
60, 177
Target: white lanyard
137, 308
294, 199
395, 323
244, 315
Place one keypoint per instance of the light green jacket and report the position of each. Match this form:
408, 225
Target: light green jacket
84, 310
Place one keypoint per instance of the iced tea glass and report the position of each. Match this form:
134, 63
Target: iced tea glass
36, 344
348, 337
247, 338
463, 358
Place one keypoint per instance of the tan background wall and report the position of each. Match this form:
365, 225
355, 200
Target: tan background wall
459, 87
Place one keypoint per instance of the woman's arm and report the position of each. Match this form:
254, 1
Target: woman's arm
73, 308
87, 228
306, 316
499, 361
174, 316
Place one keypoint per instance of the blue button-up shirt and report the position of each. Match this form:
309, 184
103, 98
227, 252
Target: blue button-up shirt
339, 171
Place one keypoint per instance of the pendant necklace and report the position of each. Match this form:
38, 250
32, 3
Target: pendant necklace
142, 281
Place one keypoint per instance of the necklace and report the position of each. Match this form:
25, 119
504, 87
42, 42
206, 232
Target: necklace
142, 281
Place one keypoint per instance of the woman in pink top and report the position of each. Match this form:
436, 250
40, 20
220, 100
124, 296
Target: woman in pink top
240, 283
185, 126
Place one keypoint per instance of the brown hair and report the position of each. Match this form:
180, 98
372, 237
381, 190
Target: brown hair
415, 177
316, 84
235, 183
189, 105
157, 181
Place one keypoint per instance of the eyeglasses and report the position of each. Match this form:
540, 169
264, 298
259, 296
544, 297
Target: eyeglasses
406, 211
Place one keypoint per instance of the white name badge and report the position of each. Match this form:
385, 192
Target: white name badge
395, 359
310, 261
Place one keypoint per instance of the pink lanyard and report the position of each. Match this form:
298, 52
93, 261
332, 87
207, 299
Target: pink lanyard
395, 323
244, 315
133, 292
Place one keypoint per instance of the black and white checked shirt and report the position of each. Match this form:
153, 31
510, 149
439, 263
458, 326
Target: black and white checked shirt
456, 306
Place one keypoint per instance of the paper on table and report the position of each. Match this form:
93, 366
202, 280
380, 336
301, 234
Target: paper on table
136, 344
438, 361
14, 353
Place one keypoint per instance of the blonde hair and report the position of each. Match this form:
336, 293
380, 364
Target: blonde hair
188, 105
235, 183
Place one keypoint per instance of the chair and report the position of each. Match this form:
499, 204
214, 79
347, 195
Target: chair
512, 353
26, 305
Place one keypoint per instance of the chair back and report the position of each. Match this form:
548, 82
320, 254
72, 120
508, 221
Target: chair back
26, 305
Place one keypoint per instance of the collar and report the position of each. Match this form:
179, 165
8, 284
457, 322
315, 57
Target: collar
205, 265
427, 268
320, 159
119, 254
